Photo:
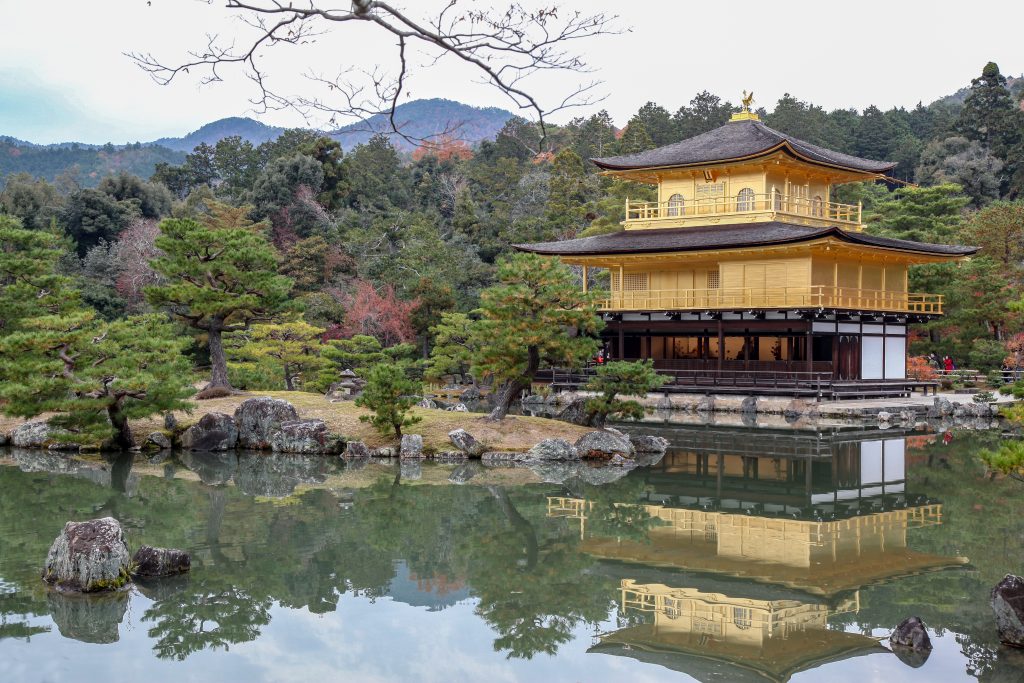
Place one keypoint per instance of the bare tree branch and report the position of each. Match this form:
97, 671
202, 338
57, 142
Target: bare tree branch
504, 46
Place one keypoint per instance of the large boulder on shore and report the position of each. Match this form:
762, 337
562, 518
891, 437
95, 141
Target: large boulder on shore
305, 436
576, 413
465, 442
88, 557
1008, 606
40, 434
553, 449
356, 450
213, 432
152, 563
603, 444
412, 446
258, 419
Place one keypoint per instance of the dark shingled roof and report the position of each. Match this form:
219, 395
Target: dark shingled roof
737, 140
727, 237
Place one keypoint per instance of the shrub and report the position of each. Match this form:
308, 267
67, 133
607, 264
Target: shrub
389, 393
621, 378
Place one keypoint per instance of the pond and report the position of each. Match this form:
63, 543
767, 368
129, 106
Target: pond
761, 555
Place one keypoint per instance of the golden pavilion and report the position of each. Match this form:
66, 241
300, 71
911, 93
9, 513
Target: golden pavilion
745, 275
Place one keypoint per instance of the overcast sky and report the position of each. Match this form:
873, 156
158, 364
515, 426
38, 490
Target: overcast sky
63, 74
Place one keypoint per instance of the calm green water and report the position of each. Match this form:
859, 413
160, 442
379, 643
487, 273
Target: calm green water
742, 555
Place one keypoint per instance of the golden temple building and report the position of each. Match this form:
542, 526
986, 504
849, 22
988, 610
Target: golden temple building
745, 275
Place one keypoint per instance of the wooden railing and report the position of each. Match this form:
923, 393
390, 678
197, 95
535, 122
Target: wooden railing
814, 296
778, 203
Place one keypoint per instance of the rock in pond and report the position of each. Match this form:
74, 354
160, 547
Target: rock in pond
466, 443
88, 557
258, 419
151, 563
158, 441
553, 449
412, 446
603, 444
911, 633
213, 432
649, 444
310, 437
1008, 606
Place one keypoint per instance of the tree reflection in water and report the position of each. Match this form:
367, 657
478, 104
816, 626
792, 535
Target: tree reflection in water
315, 532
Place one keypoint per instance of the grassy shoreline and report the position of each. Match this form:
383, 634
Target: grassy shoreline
514, 433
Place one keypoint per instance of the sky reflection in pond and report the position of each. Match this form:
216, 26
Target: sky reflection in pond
741, 555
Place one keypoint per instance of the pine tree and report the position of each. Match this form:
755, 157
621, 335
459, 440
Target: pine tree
96, 376
991, 116
221, 277
635, 138
620, 378
291, 351
389, 393
567, 195
455, 344
536, 315
29, 283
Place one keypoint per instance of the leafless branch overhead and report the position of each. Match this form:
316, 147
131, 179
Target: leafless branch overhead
505, 46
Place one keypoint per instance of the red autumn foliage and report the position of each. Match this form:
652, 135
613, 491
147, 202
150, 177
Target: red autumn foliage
920, 369
444, 148
379, 314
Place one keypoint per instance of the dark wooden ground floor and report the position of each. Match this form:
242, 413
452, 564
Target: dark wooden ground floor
800, 357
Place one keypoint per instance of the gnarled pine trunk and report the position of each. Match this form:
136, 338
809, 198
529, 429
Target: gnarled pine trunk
218, 361
507, 393
119, 421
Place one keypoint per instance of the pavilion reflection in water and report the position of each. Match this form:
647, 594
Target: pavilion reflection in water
755, 542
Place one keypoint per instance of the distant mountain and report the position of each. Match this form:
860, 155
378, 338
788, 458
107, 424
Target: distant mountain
424, 119
248, 129
418, 119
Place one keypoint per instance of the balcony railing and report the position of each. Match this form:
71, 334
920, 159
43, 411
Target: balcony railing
731, 298
833, 212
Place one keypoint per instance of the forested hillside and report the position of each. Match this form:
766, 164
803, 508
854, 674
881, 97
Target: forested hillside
381, 242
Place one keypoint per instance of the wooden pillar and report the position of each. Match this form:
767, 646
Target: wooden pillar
622, 343
809, 351
721, 345
585, 283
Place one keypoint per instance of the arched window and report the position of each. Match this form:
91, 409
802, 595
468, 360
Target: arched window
745, 200
676, 205
776, 199
817, 206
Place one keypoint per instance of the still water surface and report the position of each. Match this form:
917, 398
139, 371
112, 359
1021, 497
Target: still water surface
741, 556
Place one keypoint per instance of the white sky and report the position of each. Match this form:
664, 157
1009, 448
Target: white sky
63, 75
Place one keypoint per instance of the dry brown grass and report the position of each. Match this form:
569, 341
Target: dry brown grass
514, 433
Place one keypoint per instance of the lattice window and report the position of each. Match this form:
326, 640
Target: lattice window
714, 282
673, 608
817, 206
742, 617
676, 205
745, 200
635, 282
